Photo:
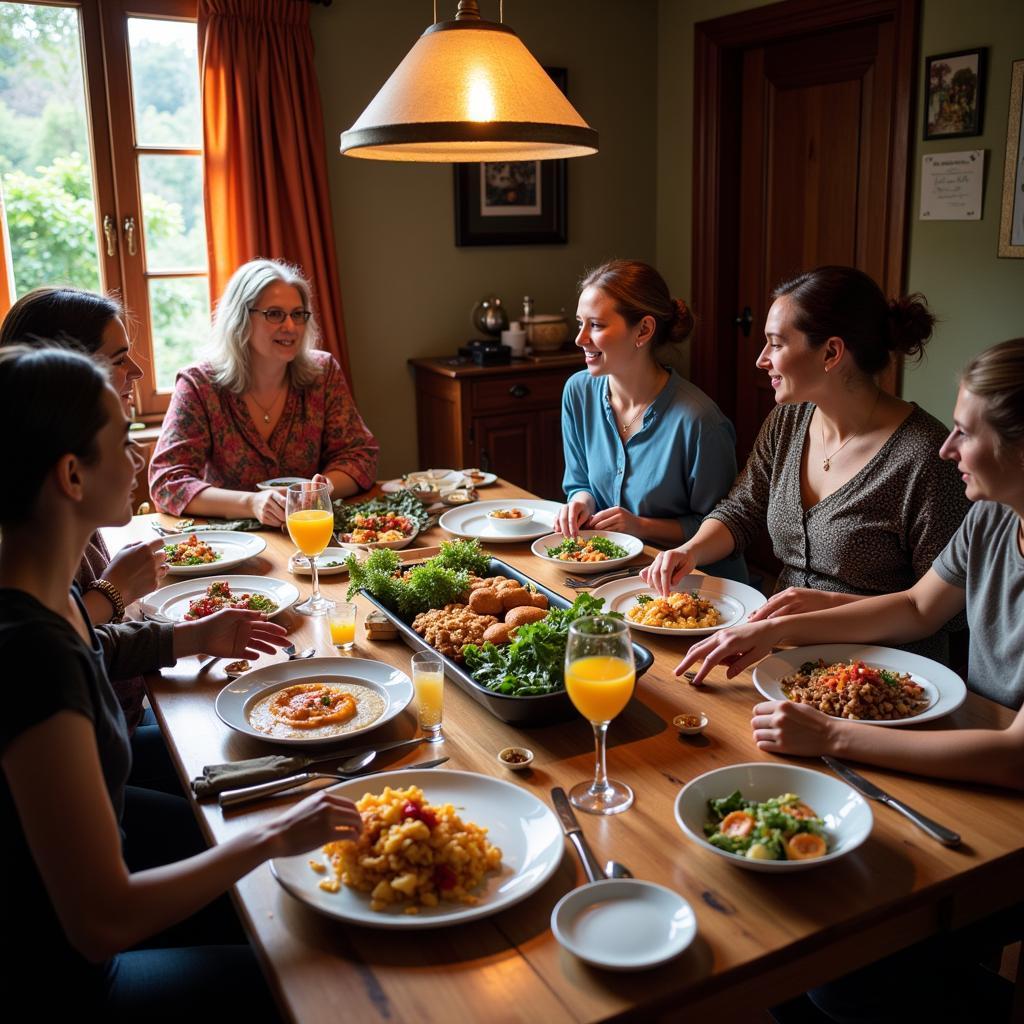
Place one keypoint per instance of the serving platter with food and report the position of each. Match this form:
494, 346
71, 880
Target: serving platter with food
197, 554
592, 551
501, 635
773, 817
509, 845
698, 605
494, 522
314, 702
861, 683
195, 599
380, 531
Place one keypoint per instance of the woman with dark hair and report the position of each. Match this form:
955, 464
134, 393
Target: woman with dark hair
846, 476
95, 323
75, 893
266, 404
646, 452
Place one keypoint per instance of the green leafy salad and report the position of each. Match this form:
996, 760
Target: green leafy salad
572, 547
440, 580
534, 662
404, 503
782, 828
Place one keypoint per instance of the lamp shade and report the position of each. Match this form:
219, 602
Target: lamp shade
469, 90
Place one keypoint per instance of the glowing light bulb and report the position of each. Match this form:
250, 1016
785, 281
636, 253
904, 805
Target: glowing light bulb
481, 99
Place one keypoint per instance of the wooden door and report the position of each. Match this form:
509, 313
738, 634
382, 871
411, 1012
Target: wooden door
801, 147
524, 448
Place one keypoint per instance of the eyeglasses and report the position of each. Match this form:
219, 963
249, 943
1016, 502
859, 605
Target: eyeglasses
274, 315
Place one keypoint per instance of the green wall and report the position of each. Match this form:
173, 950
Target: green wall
977, 297
407, 289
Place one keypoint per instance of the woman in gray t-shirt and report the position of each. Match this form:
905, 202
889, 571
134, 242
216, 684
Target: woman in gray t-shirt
981, 571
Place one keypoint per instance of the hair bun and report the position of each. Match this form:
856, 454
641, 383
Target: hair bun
682, 321
910, 324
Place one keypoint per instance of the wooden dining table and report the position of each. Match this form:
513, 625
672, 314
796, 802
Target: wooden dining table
762, 938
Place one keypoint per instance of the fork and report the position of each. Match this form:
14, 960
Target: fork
596, 581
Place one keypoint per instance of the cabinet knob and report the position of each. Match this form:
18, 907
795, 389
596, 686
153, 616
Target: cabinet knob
519, 391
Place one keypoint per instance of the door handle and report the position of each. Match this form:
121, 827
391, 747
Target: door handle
744, 321
110, 234
129, 233
519, 391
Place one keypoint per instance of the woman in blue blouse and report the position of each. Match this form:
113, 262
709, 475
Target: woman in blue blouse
646, 452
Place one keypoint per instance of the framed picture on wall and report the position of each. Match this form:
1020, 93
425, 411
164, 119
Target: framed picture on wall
954, 89
512, 202
1011, 221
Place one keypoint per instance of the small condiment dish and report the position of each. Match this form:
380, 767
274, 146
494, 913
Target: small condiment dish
686, 726
234, 669
460, 496
504, 524
523, 758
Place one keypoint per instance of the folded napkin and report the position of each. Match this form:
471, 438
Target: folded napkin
217, 778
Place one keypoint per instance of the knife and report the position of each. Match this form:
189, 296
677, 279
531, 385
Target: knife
944, 835
237, 797
571, 827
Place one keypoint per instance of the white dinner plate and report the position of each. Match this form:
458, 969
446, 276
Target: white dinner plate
485, 480
299, 564
472, 521
236, 699
169, 604
394, 545
846, 814
633, 545
734, 601
944, 689
517, 822
279, 483
233, 546
624, 924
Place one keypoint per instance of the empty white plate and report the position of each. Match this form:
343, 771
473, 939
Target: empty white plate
624, 924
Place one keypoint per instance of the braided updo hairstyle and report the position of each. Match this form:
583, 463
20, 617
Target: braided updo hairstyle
843, 302
638, 290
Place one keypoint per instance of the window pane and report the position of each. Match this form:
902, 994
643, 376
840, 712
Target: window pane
45, 165
165, 82
180, 314
172, 212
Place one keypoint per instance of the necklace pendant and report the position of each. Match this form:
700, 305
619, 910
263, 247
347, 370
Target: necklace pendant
266, 419
826, 465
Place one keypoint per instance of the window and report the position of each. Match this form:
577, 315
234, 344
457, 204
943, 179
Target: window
101, 166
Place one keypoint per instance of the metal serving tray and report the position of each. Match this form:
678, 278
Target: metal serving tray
539, 709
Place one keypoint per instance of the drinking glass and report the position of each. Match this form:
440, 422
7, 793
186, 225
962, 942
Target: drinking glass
599, 678
341, 621
310, 518
428, 681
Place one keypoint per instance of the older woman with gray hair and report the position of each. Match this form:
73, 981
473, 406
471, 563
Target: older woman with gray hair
266, 404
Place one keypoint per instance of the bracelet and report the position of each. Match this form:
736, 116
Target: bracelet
112, 594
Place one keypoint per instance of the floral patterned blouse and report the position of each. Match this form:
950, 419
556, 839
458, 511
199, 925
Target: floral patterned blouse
209, 438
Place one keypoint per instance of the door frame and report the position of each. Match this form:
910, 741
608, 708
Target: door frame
717, 151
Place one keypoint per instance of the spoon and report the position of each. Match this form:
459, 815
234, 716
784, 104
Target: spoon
615, 869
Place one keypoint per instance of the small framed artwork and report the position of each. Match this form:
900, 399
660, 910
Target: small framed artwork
513, 202
954, 94
1011, 221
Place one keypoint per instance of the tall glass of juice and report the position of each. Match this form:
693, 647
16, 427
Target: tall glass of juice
599, 677
310, 518
428, 681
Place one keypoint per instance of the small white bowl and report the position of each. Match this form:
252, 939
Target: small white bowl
690, 730
516, 766
624, 924
518, 525
847, 816
633, 546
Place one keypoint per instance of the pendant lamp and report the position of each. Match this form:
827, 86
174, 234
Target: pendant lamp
469, 90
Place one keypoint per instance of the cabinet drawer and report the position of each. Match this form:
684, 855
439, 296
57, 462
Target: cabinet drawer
511, 393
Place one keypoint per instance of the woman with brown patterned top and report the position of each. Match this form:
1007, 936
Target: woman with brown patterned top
846, 476
266, 405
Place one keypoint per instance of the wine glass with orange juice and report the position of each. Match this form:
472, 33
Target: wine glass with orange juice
599, 678
310, 518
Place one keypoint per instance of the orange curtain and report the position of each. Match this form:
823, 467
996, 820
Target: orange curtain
6, 268
264, 157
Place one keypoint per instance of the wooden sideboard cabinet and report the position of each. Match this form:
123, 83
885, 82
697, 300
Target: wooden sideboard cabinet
504, 419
